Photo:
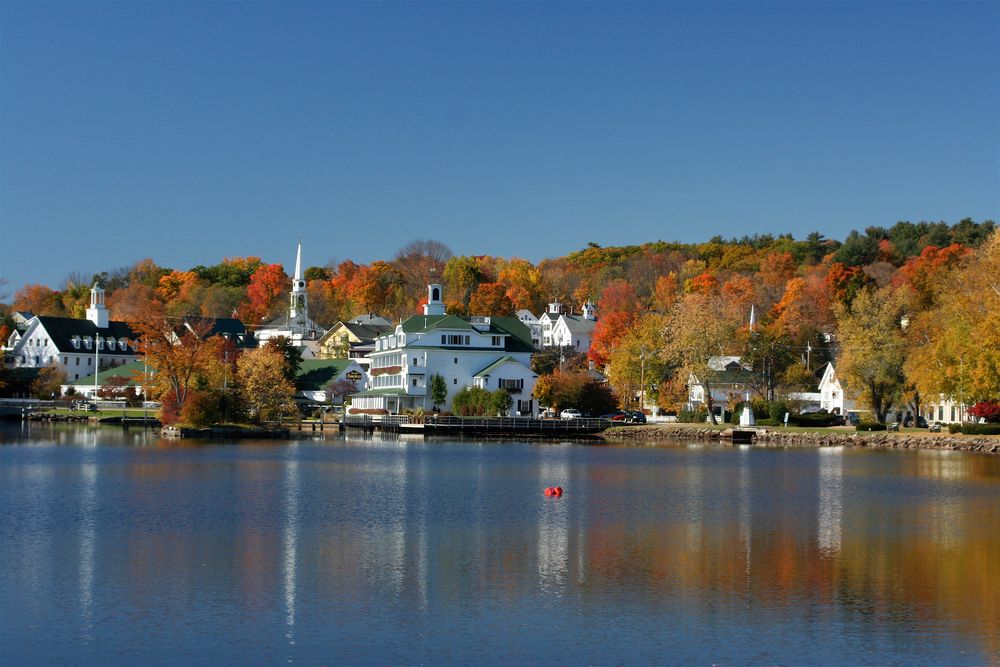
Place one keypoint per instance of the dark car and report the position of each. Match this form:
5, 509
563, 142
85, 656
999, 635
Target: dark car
635, 417
619, 416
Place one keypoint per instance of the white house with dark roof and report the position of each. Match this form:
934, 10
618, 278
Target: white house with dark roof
487, 352
76, 347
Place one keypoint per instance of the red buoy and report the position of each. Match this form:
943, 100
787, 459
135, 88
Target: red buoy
557, 490
549, 491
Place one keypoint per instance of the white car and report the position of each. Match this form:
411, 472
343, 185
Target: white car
570, 414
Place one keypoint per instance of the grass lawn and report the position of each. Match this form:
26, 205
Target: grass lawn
107, 412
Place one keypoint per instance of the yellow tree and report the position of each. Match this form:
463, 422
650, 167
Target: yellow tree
266, 391
956, 350
700, 326
872, 330
638, 362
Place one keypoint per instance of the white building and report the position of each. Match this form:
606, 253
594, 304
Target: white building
76, 347
295, 325
729, 380
947, 411
487, 352
566, 330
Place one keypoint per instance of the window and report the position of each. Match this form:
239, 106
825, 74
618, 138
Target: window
456, 360
512, 384
953, 413
90, 361
65, 361
414, 382
78, 361
940, 413
496, 341
443, 339
454, 380
466, 340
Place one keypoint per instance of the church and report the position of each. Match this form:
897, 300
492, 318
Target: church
295, 324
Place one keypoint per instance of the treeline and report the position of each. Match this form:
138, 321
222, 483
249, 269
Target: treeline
663, 308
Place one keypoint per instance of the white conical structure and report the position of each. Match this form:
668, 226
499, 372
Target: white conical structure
753, 318
298, 311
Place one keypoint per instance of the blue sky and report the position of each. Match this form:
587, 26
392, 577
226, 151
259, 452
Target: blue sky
189, 131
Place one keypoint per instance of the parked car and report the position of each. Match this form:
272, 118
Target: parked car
570, 413
619, 416
635, 417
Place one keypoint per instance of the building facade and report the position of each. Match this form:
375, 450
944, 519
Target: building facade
487, 352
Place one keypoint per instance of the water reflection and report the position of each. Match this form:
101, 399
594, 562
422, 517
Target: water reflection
394, 550
831, 497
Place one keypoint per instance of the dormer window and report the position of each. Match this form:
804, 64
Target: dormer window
100, 343
122, 344
86, 342
75, 342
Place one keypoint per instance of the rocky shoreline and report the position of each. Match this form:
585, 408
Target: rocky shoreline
775, 438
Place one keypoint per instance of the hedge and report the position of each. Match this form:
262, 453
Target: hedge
870, 426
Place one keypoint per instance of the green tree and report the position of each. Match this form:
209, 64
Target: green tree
291, 355
501, 402
439, 391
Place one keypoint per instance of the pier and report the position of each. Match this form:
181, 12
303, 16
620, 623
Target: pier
483, 426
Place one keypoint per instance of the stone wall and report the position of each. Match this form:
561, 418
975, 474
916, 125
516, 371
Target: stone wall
840, 438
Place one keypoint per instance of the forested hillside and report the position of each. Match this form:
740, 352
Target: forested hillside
913, 307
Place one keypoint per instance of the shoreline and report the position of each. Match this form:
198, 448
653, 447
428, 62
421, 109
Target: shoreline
767, 437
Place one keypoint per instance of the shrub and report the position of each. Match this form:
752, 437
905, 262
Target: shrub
202, 408
768, 422
954, 428
692, 416
776, 410
981, 429
813, 419
869, 426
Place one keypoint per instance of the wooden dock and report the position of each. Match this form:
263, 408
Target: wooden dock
481, 426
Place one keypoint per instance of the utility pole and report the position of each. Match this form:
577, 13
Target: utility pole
642, 378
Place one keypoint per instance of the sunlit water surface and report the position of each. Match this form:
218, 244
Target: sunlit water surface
118, 547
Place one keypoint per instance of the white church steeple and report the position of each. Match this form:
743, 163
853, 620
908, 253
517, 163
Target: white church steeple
298, 311
97, 313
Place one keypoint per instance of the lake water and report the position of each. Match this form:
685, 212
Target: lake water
124, 548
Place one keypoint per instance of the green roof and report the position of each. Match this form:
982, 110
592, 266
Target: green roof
132, 370
394, 391
423, 323
314, 374
518, 334
496, 364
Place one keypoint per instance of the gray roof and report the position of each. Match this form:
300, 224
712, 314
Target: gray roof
370, 319
579, 324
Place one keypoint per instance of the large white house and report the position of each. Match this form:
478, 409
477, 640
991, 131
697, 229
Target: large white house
487, 352
76, 347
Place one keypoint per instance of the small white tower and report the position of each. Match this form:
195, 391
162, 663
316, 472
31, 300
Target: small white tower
434, 305
589, 311
298, 311
97, 313
555, 308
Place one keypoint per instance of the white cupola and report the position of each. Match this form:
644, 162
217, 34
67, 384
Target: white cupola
434, 305
97, 313
555, 308
589, 311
